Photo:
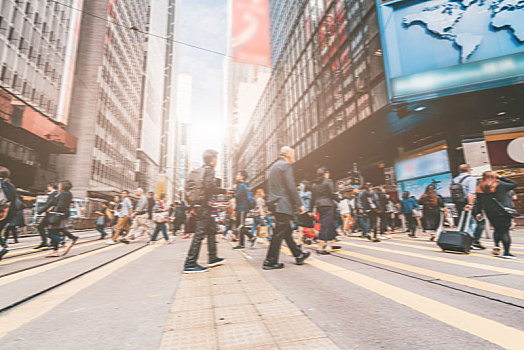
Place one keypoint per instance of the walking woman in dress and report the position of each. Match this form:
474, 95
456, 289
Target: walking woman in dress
493, 198
432, 205
324, 199
61, 206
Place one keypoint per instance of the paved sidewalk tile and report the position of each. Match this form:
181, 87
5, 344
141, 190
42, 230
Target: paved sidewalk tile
233, 306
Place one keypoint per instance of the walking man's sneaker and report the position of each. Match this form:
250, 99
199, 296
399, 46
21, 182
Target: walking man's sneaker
478, 246
508, 256
111, 242
239, 247
300, 259
216, 262
123, 240
195, 269
254, 241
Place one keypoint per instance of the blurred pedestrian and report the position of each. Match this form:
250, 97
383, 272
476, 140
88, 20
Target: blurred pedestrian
141, 222
409, 204
432, 205
160, 212
345, 214
61, 208
324, 200
366, 202
124, 215
494, 199
283, 200
8, 195
52, 192
244, 202
101, 220
18, 220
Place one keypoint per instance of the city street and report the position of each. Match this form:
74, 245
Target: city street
397, 294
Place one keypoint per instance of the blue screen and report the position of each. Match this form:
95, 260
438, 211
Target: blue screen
429, 164
417, 187
436, 47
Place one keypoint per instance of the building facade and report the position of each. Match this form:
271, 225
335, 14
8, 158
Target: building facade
38, 45
106, 100
183, 125
332, 100
155, 121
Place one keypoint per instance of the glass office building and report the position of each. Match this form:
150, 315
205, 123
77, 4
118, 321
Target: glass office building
357, 84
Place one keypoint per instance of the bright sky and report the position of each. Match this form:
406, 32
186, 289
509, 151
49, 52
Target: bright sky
204, 23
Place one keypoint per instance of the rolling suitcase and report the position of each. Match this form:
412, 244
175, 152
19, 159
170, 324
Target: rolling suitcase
457, 241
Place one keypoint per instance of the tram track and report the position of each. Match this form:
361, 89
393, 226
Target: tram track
25, 299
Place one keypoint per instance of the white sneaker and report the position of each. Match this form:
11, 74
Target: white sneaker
111, 242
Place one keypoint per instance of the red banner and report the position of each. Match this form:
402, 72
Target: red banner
250, 32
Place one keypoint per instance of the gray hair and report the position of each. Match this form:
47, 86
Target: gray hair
286, 151
139, 190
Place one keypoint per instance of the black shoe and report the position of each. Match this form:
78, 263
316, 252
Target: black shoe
62, 242
239, 247
102, 236
300, 259
74, 239
478, 246
42, 245
3, 252
322, 252
123, 240
336, 247
375, 240
195, 269
215, 262
275, 266
368, 237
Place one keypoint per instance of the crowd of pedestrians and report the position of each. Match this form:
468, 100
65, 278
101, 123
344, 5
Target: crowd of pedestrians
316, 210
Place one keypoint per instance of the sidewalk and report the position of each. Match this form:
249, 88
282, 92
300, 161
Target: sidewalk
234, 307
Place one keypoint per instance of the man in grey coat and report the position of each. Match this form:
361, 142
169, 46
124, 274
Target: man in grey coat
283, 200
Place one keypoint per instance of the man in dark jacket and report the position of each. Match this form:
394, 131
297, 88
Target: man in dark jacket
284, 197
52, 192
7, 204
205, 226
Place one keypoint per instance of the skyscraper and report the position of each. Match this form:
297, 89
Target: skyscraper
105, 107
38, 44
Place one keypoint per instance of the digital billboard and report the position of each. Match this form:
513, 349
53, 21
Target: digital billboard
250, 32
417, 187
434, 48
429, 164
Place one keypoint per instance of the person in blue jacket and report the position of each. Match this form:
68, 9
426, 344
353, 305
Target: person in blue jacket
408, 204
243, 198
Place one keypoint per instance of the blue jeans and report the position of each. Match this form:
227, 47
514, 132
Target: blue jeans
101, 230
160, 226
364, 223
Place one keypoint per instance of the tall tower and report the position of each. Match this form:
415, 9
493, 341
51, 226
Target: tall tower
105, 109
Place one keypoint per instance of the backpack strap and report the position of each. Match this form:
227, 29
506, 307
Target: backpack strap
464, 178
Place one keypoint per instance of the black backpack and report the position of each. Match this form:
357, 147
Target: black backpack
457, 192
195, 192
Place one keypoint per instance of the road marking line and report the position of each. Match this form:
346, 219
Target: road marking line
23, 252
450, 261
47, 267
492, 331
40, 254
488, 287
437, 249
33, 309
434, 244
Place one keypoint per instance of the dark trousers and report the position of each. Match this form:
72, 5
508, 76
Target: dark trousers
160, 227
411, 223
327, 223
100, 228
205, 228
11, 229
2, 225
179, 221
384, 220
242, 230
501, 225
282, 232
41, 229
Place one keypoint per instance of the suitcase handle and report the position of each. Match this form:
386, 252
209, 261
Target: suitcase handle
465, 227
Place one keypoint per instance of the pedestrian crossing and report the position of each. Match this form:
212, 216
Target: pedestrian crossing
495, 332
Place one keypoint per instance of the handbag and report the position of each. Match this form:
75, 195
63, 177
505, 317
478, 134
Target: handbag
54, 217
510, 211
262, 231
